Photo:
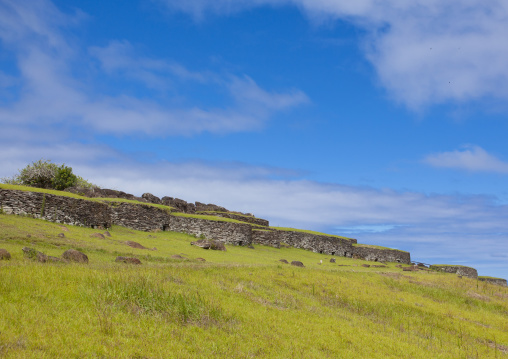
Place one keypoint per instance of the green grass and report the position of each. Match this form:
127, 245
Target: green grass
307, 231
374, 246
241, 303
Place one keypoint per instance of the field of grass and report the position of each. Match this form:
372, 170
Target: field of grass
242, 303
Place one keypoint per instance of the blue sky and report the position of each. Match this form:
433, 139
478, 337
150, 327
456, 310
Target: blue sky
385, 122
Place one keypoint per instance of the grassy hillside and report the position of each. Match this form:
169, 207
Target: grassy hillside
242, 303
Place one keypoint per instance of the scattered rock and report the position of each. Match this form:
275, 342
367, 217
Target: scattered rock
343, 265
209, 244
283, 261
379, 266
63, 228
251, 247
366, 265
177, 256
399, 266
107, 234
332, 260
4, 254
135, 245
202, 243
201, 259
410, 269
297, 264
98, 235
61, 235
128, 260
32, 254
73, 255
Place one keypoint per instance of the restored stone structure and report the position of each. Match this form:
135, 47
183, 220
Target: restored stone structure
381, 254
266, 237
497, 281
334, 246
459, 270
138, 216
227, 232
147, 217
59, 209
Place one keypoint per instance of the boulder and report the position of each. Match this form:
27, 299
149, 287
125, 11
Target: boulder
4, 254
135, 245
297, 264
150, 198
202, 243
332, 260
283, 261
106, 234
177, 256
98, 235
73, 255
61, 235
366, 265
210, 244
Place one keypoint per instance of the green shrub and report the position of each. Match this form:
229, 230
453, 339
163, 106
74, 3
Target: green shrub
47, 175
64, 178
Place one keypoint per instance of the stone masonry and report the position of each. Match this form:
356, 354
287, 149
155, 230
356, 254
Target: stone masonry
59, 209
381, 254
459, 270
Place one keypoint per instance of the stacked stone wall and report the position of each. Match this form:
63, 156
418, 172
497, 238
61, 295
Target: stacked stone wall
59, 209
459, 270
497, 281
334, 246
227, 232
266, 238
381, 255
139, 216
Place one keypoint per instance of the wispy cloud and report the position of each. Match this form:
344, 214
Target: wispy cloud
424, 51
50, 93
470, 158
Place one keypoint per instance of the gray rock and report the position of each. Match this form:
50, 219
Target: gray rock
4, 254
297, 264
135, 245
150, 198
73, 255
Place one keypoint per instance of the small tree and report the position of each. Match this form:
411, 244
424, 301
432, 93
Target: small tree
45, 174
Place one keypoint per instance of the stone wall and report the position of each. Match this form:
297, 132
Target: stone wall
334, 246
227, 232
381, 255
497, 281
140, 217
241, 218
72, 211
459, 270
266, 238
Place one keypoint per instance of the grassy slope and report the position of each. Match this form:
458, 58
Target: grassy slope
242, 303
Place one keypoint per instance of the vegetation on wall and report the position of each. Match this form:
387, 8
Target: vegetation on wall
45, 174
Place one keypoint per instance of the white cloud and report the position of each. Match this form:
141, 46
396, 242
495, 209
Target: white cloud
471, 158
52, 95
424, 51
